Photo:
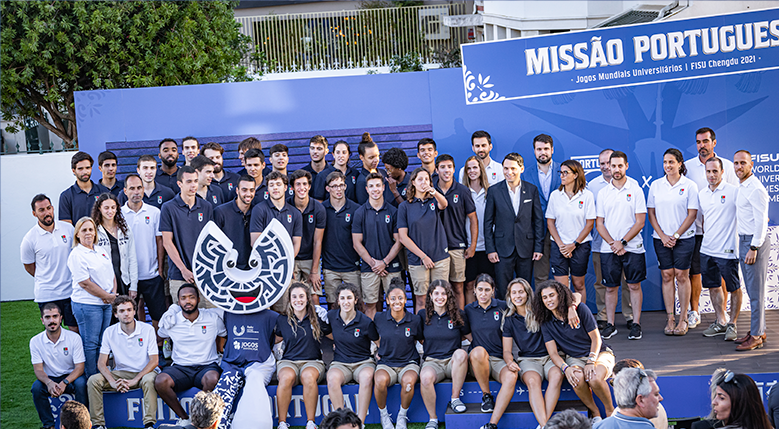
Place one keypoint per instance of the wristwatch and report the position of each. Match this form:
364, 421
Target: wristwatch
66, 382
753, 248
624, 242
676, 235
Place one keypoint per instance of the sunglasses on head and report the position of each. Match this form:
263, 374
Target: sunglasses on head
729, 376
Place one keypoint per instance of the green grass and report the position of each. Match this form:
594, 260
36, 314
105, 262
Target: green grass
20, 321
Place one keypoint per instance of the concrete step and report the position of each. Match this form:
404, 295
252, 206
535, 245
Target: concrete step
518, 415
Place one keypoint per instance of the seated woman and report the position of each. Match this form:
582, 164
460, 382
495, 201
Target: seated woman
586, 363
353, 332
484, 318
443, 326
399, 331
302, 330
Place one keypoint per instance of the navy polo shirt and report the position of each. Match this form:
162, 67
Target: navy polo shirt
531, 344
485, 326
422, 218
300, 344
289, 216
573, 342
116, 189
185, 223
249, 337
453, 218
314, 174
377, 228
402, 186
313, 217
352, 340
260, 194
442, 336
321, 194
169, 180
362, 194
268, 168
338, 252
159, 196
75, 203
214, 195
398, 339
228, 184
235, 224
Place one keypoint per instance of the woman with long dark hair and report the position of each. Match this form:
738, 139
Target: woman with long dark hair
672, 205
736, 401
302, 330
475, 178
113, 234
586, 361
444, 327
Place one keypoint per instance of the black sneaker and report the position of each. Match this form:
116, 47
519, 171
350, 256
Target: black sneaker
602, 324
629, 324
487, 404
609, 331
635, 332
489, 426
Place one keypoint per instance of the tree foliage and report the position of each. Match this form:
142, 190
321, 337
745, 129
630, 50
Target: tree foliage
52, 48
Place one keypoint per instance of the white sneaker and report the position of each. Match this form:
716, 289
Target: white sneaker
183, 422
386, 422
311, 425
693, 319
401, 423
374, 348
420, 348
283, 425
595, 419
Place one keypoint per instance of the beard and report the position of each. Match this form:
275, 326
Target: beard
48, 220
169, 162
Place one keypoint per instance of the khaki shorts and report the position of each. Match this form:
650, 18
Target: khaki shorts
457, 265
396, 372
605, 358
421, 276
299, 365
370, 285
302, 271
351, 371
175, 285
442, 368
539, 365
496, 365
333, 279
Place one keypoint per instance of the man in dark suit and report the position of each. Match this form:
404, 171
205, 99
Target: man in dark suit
545, 176
513, 225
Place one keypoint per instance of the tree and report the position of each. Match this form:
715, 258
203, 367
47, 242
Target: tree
52, 48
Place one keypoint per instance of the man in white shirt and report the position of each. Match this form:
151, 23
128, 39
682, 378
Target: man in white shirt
754, 246
144, 221
719, 250
481, 143
705, 141
621, 216
58, 361
44, 252
134, 346
595, 186
195, 333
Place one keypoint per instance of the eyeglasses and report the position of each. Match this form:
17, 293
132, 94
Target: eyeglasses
564, 172
341, 186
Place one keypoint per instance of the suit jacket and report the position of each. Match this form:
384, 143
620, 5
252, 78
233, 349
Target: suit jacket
531, 176
503, 231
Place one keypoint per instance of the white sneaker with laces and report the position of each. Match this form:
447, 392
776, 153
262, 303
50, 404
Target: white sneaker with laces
311, 425
401, 423
386, 422
183, 422
283, 425
693, 319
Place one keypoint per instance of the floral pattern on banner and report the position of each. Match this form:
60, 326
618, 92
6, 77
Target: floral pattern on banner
482, 85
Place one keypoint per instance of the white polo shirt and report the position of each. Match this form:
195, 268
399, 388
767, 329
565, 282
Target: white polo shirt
618, 208
752, 210
194, 343
145, 225
571, 214
49, 252
480, 201
696, 171
718, 208
58, 358
595, 186
90, 264
671, 203
131, 352
494, 172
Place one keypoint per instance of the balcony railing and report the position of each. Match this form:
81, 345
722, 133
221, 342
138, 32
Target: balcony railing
362, 38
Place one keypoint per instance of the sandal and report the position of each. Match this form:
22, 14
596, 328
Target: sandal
680, 332
457, 405
669, 327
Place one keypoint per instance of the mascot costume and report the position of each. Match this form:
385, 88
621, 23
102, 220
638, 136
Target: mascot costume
245, 296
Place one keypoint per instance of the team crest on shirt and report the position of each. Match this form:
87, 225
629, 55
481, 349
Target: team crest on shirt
159, 199
456, 198
356, 332
403, 193
451, 325
213, 197
721, 200
204, 329
289, 218
681, 191
354, 180
96, 197
387, 218
65, 238
408, 332
140, 342
432, 206
348, 217
310, 218
65, 351
494, 175
229, 186
630, 197
200, 217
147, 220
581, 204
266, 195
496, 315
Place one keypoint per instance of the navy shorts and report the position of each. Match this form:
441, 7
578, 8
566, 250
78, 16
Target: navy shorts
185, 377
634, 265
678, 257
478, 264
714, 269
153, 296
65, 310
695, 264
576, 265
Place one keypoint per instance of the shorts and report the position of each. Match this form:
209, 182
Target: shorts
442, 368
695, 263
540, 365
351, 371
299, 365
457, 265
185, 377
576, 265
612, 266
65, 310
678, 257
496, 366
714, 270
478, 264
370, 285
605, 358
421, 276
333, 279
396, 372
153, 296
302, 271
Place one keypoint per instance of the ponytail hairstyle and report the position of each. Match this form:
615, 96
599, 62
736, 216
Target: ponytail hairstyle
676, 153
